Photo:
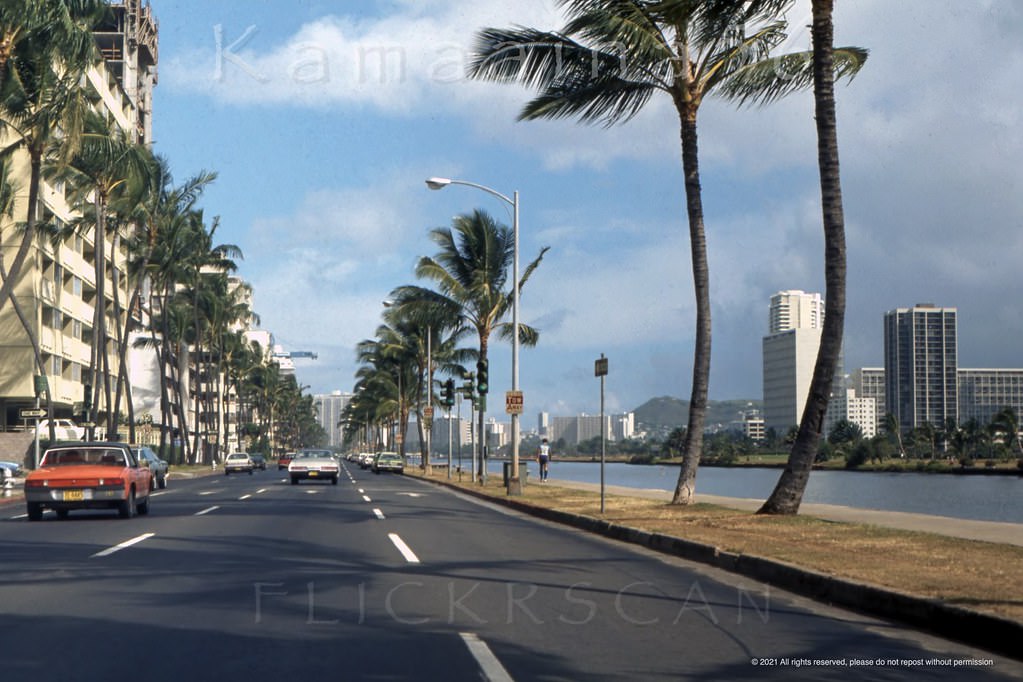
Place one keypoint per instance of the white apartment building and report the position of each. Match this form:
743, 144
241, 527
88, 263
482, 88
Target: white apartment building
860, 411
57, 287
795, 309
796, 319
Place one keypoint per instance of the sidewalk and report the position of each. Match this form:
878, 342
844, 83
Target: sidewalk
985, 531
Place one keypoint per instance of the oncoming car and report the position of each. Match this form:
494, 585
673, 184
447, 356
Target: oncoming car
89, 476
313, 464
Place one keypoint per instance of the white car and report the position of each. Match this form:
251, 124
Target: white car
63, 429
238, 462
314, 464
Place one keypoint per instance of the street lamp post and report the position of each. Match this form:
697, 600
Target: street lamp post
514, 482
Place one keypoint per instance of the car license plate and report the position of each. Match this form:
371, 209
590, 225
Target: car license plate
73, 495
314, 473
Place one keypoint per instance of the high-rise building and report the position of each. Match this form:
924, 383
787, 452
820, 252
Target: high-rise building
789, 359
795, 309
329, 407
789, 355
57, 285
985, 392
920, 365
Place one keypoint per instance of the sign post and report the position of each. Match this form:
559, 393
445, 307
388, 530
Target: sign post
600, 370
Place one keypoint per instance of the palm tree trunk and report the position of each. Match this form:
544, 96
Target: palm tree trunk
29, 238
788, 494
685, 489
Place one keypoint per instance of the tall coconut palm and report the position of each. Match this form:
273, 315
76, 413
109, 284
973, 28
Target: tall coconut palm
607, 62
162, 207
471, 272
433, 335
788, 493
108, 165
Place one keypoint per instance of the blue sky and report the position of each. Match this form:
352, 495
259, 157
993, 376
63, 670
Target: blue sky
322, 157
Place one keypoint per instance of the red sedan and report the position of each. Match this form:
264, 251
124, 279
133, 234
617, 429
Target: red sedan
89, 476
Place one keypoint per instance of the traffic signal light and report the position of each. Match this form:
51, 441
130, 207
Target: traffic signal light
482, 377
449, 393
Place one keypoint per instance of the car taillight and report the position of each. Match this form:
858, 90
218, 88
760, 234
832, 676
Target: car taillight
36, 483
298, 468
111, 481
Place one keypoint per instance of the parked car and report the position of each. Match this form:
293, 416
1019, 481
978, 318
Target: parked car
314, 464
284, 460
388, 461
258, 461
89, 476
157, 466
238, 462
63, 429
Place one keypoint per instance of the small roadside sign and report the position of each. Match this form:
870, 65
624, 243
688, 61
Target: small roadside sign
32, 412
513, 402
600, 367
428, 412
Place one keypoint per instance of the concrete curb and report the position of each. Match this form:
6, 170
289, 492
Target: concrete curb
991, 633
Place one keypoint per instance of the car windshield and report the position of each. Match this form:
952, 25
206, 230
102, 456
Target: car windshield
77, 457
238, 456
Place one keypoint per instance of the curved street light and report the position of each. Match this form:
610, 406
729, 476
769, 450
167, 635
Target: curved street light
514, 482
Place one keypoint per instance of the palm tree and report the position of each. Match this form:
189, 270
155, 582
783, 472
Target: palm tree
471, 273
108, 166
45, 47
162, 207
788, 493
606, 63
1006, 424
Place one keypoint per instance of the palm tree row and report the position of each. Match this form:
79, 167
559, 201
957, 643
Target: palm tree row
613, 56
423, 328
179, 297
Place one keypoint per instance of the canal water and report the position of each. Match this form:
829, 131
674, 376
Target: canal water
979, 497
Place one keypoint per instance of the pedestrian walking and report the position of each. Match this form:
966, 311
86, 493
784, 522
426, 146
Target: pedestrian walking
543, 458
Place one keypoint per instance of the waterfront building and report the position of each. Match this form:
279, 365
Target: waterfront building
985, 392
847, 405
796, 319
868, 382
921, 363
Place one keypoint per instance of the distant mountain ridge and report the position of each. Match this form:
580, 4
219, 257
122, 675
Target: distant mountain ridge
666, 413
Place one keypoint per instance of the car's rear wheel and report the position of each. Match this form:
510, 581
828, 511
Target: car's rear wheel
162, 482
333, 481
35, 511
294, 480
143, 507
226, 472
126, 508
62, 514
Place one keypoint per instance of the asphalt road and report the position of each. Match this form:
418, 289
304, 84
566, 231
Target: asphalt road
388, 578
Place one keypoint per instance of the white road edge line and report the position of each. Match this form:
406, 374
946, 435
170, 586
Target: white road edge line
366, 498
127, 543
379, 514
244, 497
409, 555
492, 669
207, 510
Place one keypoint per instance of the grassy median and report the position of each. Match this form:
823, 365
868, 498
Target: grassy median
982, 576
